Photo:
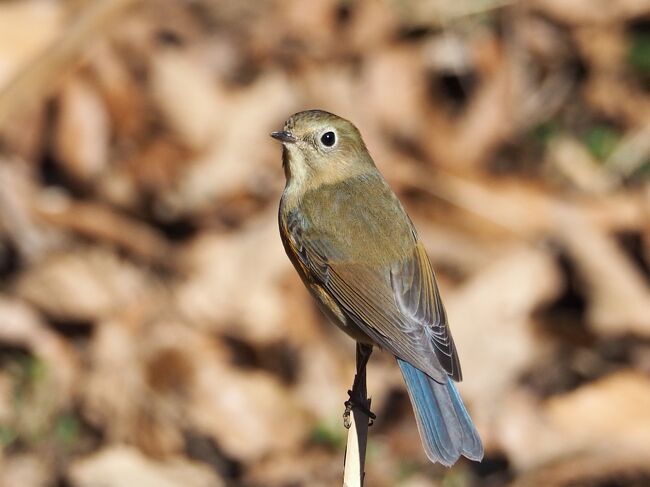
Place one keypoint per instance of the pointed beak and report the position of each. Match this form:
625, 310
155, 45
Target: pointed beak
284, 136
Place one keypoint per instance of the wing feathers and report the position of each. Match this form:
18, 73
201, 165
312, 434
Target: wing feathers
398, 307
418, 298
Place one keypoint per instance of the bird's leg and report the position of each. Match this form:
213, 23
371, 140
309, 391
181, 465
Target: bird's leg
359, 394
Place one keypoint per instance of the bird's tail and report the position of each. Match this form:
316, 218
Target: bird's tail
446, 430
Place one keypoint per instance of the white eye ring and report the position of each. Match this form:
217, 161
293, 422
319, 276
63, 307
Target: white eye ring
328, 138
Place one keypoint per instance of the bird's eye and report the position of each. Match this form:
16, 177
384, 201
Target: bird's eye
328, 139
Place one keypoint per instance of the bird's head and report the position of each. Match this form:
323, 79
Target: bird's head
321, 148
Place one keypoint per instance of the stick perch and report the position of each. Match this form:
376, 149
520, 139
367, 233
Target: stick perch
357, 421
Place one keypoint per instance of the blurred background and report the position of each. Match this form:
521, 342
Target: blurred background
152, 331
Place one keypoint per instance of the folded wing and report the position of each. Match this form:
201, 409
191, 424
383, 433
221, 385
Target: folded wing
397, 305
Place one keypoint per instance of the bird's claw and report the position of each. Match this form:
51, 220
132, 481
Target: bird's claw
354, 403
347, 422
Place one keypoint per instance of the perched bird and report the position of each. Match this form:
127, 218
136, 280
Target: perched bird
359, 254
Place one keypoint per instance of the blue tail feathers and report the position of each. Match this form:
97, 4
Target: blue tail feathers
446, 430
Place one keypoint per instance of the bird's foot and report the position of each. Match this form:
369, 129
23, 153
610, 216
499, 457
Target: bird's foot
360, 404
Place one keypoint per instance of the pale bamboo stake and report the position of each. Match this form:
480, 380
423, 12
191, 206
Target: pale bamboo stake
357, 421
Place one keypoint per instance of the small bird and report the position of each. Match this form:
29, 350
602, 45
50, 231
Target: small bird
359, 255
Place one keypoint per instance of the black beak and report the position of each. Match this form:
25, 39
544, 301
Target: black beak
284, 136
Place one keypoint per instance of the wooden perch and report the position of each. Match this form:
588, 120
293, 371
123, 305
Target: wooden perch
357, 421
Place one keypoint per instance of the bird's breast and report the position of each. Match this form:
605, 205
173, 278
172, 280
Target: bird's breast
358, 220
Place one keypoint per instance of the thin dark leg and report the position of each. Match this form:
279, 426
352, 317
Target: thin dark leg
359, 393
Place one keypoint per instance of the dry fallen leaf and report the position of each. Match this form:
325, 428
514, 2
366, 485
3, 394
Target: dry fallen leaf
233, 282
469, 139
573, 161
125, 101
82, 134
16, 219
583, 11
81, 285
118, 466
301, 467
102, 223
25, 470
250, 414
187, 98
241, 159
22, 327
490, 318
618, 293
19, 45
591, 469
400, 74
180, 379
136, 415
603, 417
